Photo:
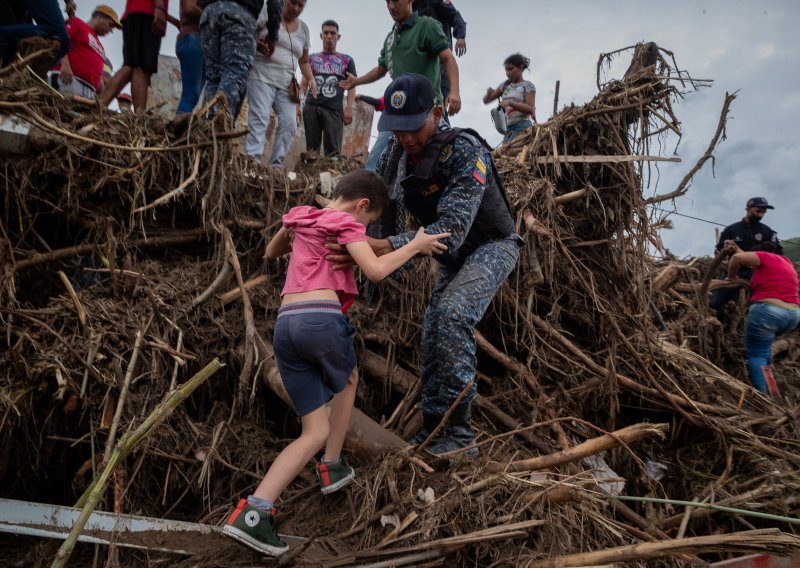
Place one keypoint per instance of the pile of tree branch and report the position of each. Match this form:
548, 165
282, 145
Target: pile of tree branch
132, 256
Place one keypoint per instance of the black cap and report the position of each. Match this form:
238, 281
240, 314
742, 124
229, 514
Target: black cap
758, 202
407, 101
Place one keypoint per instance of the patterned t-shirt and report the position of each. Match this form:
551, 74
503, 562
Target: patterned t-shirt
328, 70
516, 92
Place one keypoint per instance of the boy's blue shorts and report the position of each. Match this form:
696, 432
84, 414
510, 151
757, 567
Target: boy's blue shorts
314, 348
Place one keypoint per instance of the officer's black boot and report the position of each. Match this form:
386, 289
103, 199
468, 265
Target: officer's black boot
460, 434
429, 424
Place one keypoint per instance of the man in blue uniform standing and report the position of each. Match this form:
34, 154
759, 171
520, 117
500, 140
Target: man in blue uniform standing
453, 26
446, 179
744, 236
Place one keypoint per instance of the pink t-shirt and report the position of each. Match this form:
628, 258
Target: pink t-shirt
775, 278
308, 267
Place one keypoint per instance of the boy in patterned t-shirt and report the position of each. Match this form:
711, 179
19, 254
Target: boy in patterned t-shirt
323, 115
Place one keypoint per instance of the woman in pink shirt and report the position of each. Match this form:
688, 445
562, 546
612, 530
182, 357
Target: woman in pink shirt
774, 307
313, 341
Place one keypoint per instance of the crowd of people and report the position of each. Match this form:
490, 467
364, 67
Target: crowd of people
237, 49
444, 177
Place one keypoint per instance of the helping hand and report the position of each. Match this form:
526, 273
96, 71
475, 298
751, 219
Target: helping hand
348, 83
342, 260
428, 244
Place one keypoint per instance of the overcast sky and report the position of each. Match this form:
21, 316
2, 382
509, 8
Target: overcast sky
745, 46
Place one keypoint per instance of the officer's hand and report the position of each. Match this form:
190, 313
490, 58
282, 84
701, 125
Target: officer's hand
348, 83
340, 258
348, 116
461, 46
453, 103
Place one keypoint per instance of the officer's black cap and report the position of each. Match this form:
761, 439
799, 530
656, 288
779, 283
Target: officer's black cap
407, 101
758, 202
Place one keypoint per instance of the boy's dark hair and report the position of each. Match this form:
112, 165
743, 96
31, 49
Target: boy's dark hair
359, 184
766, 246
518, 60
330, 23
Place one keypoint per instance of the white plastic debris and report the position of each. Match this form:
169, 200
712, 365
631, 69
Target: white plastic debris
655, 470
393, 520
326, 185
426, 496
603, 471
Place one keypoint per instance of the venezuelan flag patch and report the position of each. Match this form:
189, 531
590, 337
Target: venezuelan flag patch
479, 173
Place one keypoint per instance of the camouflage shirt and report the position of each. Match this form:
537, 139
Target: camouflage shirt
465, 163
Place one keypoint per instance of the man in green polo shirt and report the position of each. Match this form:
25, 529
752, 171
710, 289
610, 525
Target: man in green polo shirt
416, 44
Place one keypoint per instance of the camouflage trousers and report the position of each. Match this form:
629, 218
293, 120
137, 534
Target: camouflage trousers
460, 298
228, 35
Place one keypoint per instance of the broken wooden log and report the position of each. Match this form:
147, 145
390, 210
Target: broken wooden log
623, 437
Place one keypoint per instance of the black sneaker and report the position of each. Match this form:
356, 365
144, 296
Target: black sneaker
255, 528
334, 476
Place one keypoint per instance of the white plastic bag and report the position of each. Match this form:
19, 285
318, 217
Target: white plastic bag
499, 119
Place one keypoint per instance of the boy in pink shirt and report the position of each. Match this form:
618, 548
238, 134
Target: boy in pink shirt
313, 341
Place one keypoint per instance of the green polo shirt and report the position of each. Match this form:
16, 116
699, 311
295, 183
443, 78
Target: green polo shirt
414, 47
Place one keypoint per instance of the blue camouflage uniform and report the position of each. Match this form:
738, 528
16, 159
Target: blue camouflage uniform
228, 34
471, 271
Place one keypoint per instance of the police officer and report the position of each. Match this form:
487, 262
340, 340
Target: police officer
744, 236
446, 179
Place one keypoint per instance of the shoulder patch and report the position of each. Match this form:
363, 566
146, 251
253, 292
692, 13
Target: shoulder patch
447, 151
479, 172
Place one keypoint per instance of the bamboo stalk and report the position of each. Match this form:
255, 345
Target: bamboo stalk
123, 392
698, 505
123, 449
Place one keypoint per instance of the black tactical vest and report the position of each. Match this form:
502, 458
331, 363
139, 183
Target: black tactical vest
423, 189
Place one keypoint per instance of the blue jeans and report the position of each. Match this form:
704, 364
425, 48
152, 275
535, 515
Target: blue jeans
190, 53
377, 149
49, 23
460, 298
764, 323
514, 130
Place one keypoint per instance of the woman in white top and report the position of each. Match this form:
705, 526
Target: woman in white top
268, 84
517, 97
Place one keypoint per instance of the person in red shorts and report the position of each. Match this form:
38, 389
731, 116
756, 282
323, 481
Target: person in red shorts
144, 23
80, 72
